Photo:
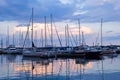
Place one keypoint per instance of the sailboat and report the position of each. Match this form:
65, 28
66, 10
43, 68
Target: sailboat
95, 52
87, 51
104, 49
11, 49
82, 47
33, 51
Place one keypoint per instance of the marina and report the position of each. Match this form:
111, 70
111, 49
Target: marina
62, 52
60, 40
49, 51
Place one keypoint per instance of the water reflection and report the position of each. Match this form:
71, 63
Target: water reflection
16, 67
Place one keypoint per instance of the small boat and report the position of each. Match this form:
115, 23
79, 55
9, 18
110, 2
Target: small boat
34, 53
11, 50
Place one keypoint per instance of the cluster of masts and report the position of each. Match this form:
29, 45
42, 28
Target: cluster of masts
51, 51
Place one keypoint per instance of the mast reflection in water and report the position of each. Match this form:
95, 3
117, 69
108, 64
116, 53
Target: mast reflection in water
16, 67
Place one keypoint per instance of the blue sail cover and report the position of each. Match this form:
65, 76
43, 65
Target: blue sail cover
33, 44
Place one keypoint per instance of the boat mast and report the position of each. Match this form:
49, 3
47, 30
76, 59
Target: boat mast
32, 28
7, 41
8, 35
42, 37
21, 39
74, 38
19, 44
35, 38
79, 31
51, 31
101, 33
82, 39
45, 32
13, 39
68, 35
1, 43
57, 35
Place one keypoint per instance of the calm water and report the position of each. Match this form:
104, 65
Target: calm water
16, 67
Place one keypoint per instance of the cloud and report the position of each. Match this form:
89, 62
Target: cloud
2, 3
97, 9
93, 3
84, 29
111, 38
19, 29
23, 25
5, 25
109, 31
79, 12
66, 1
22, 11
38, 27
88, 10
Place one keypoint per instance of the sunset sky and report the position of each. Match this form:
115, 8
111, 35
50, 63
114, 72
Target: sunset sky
15, 14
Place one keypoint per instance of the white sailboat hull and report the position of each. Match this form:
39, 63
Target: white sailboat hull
32, 53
